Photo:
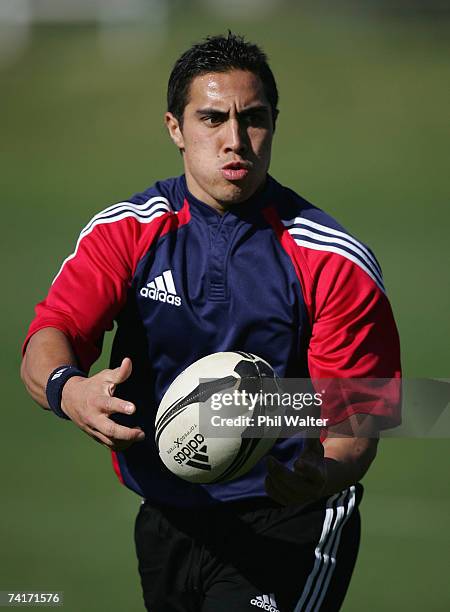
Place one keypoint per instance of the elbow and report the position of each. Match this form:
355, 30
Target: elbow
32, 387
24, 372
26, 378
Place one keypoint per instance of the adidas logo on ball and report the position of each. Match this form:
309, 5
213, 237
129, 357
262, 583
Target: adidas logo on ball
193, 457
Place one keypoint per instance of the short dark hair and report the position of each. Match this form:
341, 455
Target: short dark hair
218, 54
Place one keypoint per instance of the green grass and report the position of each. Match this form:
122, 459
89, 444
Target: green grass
361, 133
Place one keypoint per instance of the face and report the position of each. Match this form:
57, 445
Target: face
225, 138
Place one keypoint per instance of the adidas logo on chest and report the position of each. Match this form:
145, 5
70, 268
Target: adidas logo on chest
162, 289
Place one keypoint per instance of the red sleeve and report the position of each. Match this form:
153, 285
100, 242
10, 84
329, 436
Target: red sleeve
353, 333
89, 291
91, 287
353, 336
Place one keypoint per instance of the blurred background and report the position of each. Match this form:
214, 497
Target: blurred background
362, 133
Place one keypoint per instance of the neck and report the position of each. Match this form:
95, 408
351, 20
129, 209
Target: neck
219, 206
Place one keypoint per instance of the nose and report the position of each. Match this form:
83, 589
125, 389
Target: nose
236, 137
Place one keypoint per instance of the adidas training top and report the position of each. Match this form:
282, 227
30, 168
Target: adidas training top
274, 276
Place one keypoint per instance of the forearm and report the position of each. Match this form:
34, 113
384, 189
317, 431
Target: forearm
347, 461
47, 349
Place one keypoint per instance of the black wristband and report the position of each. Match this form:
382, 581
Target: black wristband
55, 384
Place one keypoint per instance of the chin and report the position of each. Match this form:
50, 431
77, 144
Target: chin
235, 194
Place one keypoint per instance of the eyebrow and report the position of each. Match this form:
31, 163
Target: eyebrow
258, 108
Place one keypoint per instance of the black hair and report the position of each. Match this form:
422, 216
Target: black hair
218, 54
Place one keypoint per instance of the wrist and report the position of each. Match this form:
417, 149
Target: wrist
340, 474
70, 392
56, 385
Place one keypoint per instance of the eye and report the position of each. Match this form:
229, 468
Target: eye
255, 119
212, 119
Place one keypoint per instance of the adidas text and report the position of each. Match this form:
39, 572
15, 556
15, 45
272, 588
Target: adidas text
161, 296
193, 454
189, 449
260, 603
162, 289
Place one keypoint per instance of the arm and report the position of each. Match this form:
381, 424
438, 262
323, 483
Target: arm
47, 349
354, 338
83, 301
347, 459
88, 402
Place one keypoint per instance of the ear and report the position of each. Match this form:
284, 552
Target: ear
274, 119
173, 126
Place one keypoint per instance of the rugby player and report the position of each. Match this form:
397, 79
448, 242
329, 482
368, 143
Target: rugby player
223, 258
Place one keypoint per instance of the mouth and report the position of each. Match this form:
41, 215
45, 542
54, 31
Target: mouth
235, 171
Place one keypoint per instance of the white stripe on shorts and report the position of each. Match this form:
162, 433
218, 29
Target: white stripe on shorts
336, 515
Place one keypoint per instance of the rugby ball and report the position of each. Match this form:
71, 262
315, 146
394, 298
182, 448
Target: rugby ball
188, 445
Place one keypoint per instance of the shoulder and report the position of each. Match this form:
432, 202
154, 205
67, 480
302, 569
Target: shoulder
144, 206
125, 229
319, 239
139, 213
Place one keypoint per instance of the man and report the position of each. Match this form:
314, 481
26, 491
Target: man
253, 267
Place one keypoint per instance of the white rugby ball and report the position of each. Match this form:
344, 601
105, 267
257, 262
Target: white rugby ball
195, 455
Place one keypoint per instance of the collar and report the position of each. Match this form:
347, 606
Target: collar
244, 211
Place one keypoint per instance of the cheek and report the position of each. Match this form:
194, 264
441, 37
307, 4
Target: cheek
264, 149
200, 158
200, 147
262, 142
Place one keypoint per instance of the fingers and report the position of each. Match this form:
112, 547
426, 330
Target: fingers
106, 431
99, 437
304, 483
111, 433
117, 376
310, 472
310, 464
92, 403
108, 404
313, 446
115, 431
120, 374
275, 492
112, 443
282, 484
277, 471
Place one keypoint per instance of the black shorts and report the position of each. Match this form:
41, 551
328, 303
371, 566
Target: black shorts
245, 556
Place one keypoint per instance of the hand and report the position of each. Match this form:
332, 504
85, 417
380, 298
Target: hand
305, 483
89, 403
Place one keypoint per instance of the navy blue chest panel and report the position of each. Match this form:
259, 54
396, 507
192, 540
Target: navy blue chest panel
216, 287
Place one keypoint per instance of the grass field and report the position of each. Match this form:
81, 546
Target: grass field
361, 134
